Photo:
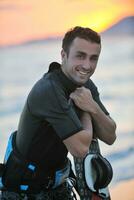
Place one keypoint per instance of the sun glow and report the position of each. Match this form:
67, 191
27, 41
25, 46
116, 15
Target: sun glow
21, 20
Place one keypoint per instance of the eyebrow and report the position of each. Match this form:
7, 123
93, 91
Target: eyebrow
95, 55
83, 53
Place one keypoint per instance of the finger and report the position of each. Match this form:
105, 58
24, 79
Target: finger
75, 98
81, 88
78, 92
73, 95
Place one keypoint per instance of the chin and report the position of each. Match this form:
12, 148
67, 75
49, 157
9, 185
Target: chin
81, 83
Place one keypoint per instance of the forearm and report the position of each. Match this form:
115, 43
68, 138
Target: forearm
104, 126
78, 144
86, 121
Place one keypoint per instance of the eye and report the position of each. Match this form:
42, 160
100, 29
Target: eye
81, 56
94, 58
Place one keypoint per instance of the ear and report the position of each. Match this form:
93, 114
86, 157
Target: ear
63, 54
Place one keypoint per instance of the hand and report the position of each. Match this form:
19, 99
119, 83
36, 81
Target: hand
83, 99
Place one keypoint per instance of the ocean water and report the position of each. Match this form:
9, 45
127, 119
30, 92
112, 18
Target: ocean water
22, 66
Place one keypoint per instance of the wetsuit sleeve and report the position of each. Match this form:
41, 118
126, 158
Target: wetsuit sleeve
96, 97
50, 104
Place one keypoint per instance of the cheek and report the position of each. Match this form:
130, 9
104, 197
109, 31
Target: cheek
74, 60
94, 64
93, 69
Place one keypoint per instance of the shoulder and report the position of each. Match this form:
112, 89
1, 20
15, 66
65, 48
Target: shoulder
47, 90
47, 84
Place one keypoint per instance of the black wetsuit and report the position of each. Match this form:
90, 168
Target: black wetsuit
49, 117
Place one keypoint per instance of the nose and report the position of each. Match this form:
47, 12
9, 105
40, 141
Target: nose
87, 65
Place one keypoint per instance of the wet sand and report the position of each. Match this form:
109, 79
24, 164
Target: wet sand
123, 191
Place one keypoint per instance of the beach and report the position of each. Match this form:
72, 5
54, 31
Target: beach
123, 191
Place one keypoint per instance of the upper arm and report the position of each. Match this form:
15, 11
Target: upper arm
50, 103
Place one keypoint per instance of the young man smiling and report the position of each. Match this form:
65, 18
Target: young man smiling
62, 114
81, 60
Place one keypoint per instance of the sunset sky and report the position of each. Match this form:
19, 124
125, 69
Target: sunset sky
22, 20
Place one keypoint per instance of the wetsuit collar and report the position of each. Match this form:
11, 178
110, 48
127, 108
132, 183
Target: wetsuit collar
68, 84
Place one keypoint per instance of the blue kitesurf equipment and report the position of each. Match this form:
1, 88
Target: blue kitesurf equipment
61, 175
7, 154
20, 175
2, 168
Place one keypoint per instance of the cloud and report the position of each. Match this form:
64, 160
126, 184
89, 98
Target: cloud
10, 7
13, 6
40, 18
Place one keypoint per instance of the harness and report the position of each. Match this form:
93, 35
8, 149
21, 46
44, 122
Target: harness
20, 175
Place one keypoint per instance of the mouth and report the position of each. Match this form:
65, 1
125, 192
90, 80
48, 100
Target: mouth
83, 73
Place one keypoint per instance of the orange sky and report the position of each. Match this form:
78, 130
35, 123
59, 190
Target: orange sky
21, 20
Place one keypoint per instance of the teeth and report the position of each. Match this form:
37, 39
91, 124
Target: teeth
83, 73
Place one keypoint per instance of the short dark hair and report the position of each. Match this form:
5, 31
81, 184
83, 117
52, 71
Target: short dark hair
84, 33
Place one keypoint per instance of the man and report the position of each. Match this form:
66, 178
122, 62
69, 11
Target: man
62, 114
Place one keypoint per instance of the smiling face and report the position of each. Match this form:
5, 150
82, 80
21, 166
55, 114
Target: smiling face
80, 62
